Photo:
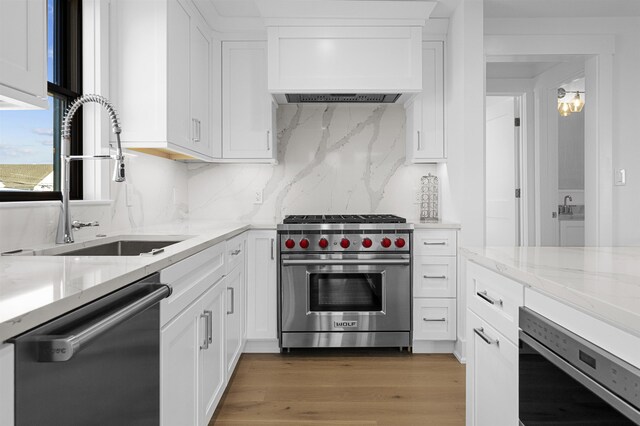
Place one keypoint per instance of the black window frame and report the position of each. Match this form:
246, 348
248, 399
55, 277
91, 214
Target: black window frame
67, 86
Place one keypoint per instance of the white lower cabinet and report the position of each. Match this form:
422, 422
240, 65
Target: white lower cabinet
492, 376
262, 310
434, 290
192, 361
6, 384
234, 322
492, 347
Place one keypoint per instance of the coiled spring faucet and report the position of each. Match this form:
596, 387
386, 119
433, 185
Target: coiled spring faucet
65, 230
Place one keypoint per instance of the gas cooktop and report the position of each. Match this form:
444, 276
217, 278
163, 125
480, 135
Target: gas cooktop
343, 218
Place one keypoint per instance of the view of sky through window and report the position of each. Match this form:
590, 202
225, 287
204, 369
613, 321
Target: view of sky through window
26, 137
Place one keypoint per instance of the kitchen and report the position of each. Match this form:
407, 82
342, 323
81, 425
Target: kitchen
222, 184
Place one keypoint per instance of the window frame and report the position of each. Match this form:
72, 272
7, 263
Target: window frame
68, 74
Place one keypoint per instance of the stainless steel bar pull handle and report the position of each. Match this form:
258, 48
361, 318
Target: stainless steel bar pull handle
347, 262
484, 295
434, 319
435, 277
439, 243
63, 348
480, 332
272, 241
419, 141
194, 129
233, 301
268, 140
207, 315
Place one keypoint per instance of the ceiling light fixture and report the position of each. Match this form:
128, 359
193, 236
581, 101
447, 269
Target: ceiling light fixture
565, 107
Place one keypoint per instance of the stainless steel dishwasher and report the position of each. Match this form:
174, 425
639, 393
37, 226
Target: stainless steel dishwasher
99, 364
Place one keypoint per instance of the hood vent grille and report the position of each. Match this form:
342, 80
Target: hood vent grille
366, 98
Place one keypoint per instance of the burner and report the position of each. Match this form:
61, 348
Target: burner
344, 218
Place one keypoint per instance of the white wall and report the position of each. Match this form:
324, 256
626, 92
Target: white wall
463, 175
335, 158
626, 64
571, 151
150, 180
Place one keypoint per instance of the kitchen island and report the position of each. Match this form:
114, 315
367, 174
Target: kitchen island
590, 292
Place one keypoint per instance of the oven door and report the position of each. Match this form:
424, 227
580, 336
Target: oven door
554, 392
344, 293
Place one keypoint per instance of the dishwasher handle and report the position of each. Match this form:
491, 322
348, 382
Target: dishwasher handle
63, 348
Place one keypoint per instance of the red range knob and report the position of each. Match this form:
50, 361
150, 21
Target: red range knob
400, 242
344, 243
289, 243
304, 243
366, 243
386, 243
323, 243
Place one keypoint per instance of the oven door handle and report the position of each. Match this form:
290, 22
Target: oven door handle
595, 387
314, 262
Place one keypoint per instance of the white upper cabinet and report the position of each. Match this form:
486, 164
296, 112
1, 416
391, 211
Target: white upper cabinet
248, 110
364, 59
23, 54
161, 78
425, 112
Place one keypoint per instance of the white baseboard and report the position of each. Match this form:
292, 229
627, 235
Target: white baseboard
258, 346
433, 346
460, 351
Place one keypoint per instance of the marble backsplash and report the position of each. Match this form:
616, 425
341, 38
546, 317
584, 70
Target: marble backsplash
331, 159
334, 158
155, 192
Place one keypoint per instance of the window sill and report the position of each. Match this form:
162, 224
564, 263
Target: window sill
35, 204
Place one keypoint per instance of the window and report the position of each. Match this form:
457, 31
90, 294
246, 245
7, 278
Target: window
30, 139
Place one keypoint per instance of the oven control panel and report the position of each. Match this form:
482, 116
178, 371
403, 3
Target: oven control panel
395, 242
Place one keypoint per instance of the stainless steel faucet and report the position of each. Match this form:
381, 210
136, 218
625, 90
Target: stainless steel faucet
65, 228
565, 209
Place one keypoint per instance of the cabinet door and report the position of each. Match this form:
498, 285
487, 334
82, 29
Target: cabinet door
200, 90
212, 376
246, 104
492, 376
178, 74
234, 320
179, 347
23, 47
261, 286
425, 129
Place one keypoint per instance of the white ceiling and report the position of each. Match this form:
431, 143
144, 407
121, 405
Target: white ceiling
560, 8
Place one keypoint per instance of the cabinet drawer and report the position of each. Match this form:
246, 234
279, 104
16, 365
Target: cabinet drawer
434, 276
436, 242
234, 251
434, 319
495, 299
189, 279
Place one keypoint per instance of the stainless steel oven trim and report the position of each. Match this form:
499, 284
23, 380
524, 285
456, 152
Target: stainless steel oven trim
611, 398
334, 313
376, 261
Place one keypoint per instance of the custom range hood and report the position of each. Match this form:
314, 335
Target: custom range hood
345, 51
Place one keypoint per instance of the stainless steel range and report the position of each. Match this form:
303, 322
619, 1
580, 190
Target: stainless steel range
344, 281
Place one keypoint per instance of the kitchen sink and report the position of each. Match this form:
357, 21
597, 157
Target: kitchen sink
121, 248
117, 245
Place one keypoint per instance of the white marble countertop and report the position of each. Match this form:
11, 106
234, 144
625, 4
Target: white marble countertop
35, 289
602, 281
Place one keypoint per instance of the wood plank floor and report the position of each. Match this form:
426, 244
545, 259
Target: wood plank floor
336, 388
